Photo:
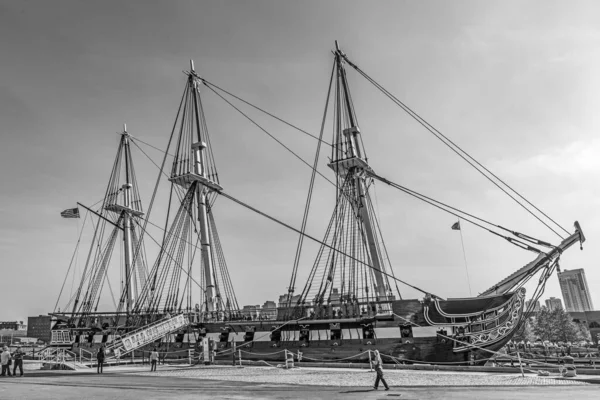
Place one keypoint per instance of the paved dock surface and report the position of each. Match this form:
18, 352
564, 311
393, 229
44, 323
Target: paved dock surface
130, 383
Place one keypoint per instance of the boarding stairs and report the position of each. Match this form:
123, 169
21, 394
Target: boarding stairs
145, 335
59, 357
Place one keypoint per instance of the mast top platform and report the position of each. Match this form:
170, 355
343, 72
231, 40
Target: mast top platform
187, 179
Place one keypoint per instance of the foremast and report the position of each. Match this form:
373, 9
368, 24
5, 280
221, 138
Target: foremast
349, 163
349, 277
204, 186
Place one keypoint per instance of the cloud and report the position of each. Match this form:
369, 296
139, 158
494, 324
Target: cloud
573, 160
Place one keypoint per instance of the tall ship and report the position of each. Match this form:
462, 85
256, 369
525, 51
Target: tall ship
350, 303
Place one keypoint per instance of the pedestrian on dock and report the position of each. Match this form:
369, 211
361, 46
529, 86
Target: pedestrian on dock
18, 359
378, 365
153, 359
5, 360
100, 357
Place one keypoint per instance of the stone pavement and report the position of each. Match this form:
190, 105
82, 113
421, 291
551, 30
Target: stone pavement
358, 378
129, 383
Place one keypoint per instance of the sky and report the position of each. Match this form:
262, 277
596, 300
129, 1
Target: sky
516, 84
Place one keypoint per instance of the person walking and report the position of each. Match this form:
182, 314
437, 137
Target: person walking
100, 357
378, 365
5, 360
18, 359
153, 359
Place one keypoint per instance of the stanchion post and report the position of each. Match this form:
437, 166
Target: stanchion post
240, 356
190, 356
520, 364
286, 357
370, 361
233, 347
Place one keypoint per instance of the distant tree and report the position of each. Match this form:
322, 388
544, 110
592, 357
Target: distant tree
583, 332
558, 326
525, 332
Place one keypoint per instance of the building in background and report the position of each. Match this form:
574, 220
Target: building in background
284, 299
554, 304
575, 291
251, 312
13, 325
40, 327
536, 306
269, 310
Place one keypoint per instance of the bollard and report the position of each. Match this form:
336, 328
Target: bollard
370, 362
240, 356
190, 356
289, 359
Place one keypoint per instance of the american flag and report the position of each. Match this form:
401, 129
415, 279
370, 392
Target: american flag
70, 213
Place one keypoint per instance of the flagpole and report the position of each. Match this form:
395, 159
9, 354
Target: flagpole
462, 242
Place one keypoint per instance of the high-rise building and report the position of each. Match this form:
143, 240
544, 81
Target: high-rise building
575, 291
554, 304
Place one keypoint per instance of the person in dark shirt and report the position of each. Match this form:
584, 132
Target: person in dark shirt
18, 359
100, 357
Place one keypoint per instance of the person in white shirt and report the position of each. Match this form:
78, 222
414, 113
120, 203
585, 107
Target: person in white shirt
5, 359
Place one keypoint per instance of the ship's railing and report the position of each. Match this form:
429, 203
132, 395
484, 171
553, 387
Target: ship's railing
86, 356
57, 355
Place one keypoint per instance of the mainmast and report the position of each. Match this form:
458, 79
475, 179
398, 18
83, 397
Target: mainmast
191, 232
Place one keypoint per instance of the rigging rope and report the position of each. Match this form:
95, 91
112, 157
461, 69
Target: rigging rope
457, 149
71, 263
440, 205
269, 134
212, 85
411, 192
404, 189
309, 196
318, 241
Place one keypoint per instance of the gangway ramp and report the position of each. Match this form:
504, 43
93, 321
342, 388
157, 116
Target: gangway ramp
145, 335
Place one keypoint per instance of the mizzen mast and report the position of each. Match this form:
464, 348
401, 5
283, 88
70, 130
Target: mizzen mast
127, 209
121, 212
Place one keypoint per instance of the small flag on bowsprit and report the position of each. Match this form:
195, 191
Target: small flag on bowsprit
456, 226
70, 213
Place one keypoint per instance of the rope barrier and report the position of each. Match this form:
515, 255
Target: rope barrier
262, 354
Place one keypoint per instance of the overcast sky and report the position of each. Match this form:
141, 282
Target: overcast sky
517, 84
